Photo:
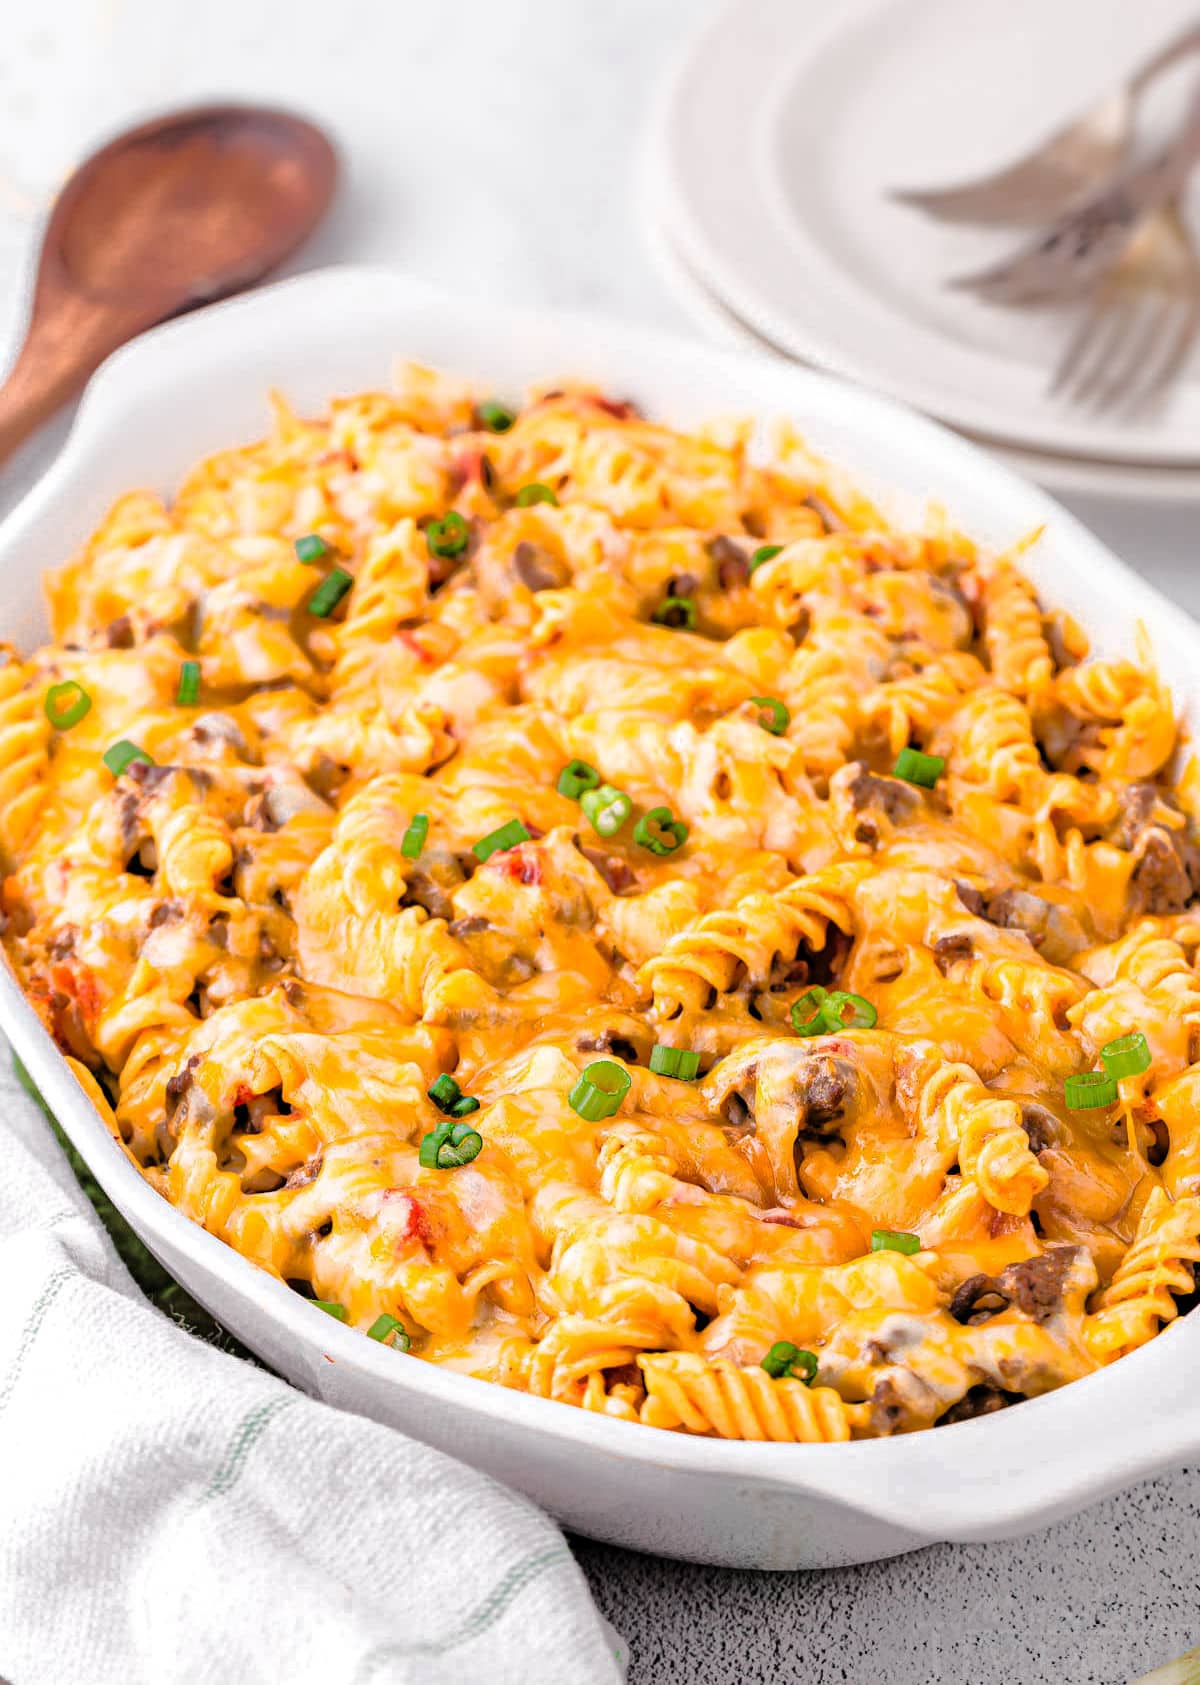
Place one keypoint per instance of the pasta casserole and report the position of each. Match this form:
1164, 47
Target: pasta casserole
597, 907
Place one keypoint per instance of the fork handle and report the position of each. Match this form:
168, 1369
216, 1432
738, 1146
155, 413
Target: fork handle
1179, 48
1174, 162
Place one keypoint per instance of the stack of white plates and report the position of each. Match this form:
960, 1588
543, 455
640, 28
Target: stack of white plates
768, 184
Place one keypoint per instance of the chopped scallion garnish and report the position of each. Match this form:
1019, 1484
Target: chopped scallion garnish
576, 778
676, 612
681, 1062
895, 1240
445, 1092
189, 684
1089, 1091
1128, 1056
122, 755
450, 1146
807, 1019
496, 417
774, 716
312, 547
496, 842
465, 1106
764, 553
659, 832
607, 809
329, 593
793, 1361
449, 536
414, 837
916, 768
821, 1012
601, 1087
535, 493
389, 1331
331, 1308
66, 704
848, 1012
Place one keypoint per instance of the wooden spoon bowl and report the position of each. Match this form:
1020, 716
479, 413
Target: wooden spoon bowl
176, 213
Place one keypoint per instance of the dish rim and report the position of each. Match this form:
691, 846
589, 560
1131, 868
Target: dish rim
925, 1481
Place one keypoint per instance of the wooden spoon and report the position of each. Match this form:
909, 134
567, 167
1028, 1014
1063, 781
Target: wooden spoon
179, 212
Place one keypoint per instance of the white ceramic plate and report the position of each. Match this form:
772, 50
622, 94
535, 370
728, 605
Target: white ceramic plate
1069, 475
199, 384
788, 122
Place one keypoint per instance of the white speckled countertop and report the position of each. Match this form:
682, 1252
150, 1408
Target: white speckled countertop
494, 146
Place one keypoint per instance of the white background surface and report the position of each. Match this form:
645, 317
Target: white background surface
493, 145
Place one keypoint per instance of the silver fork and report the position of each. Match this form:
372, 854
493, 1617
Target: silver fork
1138, 324
1077, 251
1058, 172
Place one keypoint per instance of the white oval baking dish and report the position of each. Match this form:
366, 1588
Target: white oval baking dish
198, 385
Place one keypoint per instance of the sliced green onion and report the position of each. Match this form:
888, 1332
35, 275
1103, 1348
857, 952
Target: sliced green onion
1089, 1091
465, 1106
807, 1019
311, 548
786, 1359
575, 778
449, 536
848, 1012
66, 704
508, 836
1128, 1056
778, 1360
895, 1240
189, 684
916, 768
414, 837
389, 1331
663, 1060
659, 832
445, 1092
764, 553
124, 754
607, 809
331, 1308
464, 1145
775, 717
601, 1087
535, 493
676, 612
330, 592
681, 1062
450, 1146
496, 417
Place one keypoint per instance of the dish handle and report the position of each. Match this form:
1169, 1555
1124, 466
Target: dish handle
1006, 1473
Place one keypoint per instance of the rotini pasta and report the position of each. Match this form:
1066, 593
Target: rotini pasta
593, 906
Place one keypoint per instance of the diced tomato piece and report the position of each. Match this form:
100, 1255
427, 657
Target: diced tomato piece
413, 643
518, 865
620, 409
78, 982
416, 1224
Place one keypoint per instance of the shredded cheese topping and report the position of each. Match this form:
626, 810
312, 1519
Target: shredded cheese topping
259, 981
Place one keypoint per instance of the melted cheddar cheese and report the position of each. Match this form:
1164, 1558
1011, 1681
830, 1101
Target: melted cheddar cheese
259, 983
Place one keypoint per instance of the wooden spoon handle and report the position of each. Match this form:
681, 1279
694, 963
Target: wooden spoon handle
64, 346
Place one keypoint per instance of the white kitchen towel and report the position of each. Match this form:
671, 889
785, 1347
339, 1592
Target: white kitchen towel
170, 1514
